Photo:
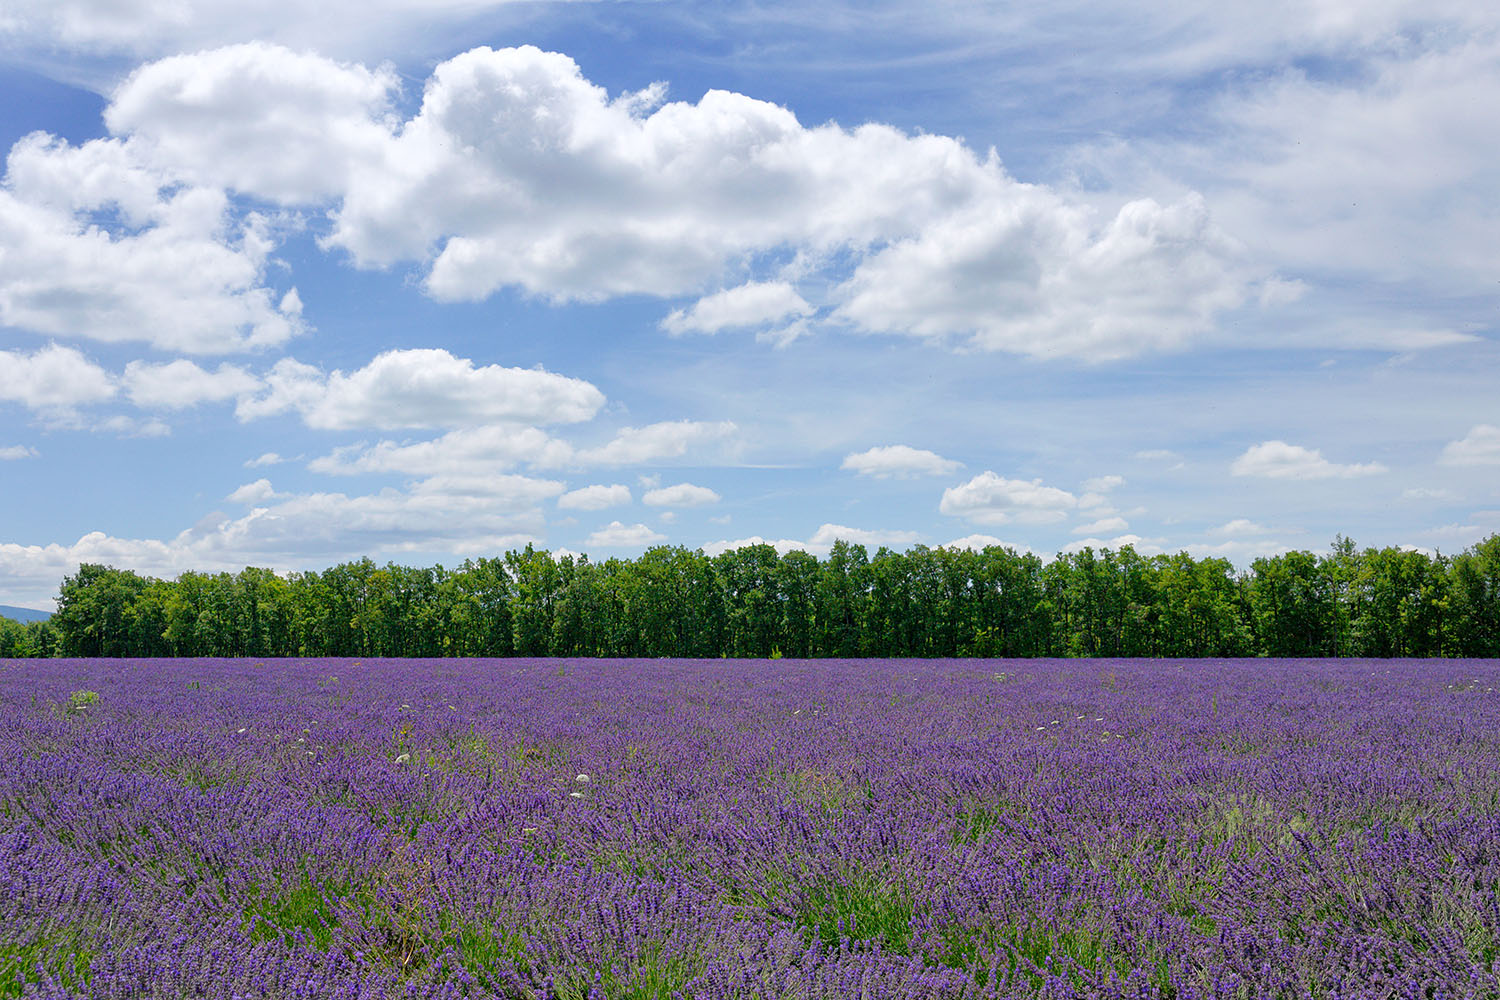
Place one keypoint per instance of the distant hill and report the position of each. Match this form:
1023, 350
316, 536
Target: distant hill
23, 614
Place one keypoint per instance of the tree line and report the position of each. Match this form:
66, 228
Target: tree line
754, 602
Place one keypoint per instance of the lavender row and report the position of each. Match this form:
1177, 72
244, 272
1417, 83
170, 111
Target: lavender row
835, 828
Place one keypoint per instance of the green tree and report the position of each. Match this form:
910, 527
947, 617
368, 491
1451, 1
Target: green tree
13, 640
477, 602
1087, 591
1473, 626
535, 586
1407, 600
749, 580
1292, 605
797, 582
673, 601
1013, 616
842, 600
1198, 608
94, 611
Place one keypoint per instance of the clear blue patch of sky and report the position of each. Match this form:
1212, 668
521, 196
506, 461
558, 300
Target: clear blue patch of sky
35, 103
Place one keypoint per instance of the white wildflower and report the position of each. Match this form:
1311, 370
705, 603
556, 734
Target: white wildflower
575, 795
403, 758
582, 779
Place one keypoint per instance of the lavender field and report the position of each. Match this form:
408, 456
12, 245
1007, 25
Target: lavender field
667, 828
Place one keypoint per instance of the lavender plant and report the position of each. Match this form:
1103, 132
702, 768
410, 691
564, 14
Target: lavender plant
663, 829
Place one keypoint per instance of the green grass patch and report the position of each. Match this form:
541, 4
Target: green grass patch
822, 790
61, 953
204, 773
976, 821
1083, 954
862, 908
303, 909
650, 976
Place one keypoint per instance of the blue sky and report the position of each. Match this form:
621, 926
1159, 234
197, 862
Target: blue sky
425, 281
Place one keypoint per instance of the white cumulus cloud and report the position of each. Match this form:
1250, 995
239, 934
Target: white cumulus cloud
594, 497
179, 384
474, 450
1240, 527
298, 123
422, 388
1279, 460
827, 534
1102, 526
680, 495
483, 489
517, 171
1103, 484
14, 452
669, 439
1481, 446
1024, 272
128, 426
899, 461
53, 380
992, 499
757, 303
96, 244
618, 535
253, 494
